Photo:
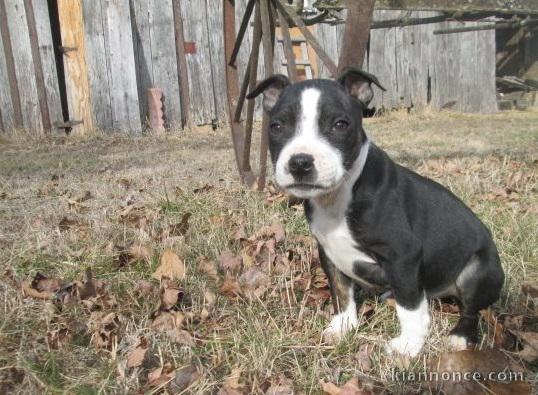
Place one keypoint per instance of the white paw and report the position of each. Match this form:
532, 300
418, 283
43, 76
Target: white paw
457, 343
340, 325
405, 346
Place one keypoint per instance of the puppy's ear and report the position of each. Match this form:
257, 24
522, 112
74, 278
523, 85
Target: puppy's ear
358, 84
271, 88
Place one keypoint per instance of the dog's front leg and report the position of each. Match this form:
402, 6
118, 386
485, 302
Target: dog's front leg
343, 298
411, 303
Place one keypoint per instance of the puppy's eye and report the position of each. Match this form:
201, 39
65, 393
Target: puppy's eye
275, 127
340, 125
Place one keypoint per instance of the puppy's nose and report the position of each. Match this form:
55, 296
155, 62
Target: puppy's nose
301, 165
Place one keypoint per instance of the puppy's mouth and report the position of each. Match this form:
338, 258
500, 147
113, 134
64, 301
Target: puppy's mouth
305, 186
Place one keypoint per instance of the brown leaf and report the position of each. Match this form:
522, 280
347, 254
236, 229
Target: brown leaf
167, 320
229, 286
28, 290
136, 357
282, 386
181, 228
349, 388
184, 378
483, 362
254, 282
208, 267
69, 223
171, 295
43, 283
180, 336
530, 345
229, 262
171, 266
231, 384
103, 327
203, 189
530, 289
501, 338
139, 252
275, 231
362, 357
161, 375
87, 289
80, 197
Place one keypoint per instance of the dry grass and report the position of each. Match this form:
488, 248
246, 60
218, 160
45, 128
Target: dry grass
489, 161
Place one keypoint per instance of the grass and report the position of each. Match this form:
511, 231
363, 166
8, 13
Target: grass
489, 161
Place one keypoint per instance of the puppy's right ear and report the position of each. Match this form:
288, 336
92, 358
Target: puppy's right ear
271, 88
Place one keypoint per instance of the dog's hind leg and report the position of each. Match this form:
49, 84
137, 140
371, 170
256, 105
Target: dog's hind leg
478, 286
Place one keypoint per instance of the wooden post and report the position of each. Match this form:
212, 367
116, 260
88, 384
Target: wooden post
268, 35
182, 65
288, 49
76, 69
356, 33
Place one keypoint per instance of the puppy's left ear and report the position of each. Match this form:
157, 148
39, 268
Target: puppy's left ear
271, 88
358, 84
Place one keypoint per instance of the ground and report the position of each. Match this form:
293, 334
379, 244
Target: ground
86, 222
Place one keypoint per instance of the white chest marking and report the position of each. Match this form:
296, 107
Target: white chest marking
329, 226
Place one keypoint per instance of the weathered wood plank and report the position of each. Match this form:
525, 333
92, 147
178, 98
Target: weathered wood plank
76, 69
153, 29
181, 62
97, 63
6, 105
326, 34
24, 65
216, 54
121, 67
202, 97
512, 6
48, 61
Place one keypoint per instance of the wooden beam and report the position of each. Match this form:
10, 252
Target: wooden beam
309, 37
76, 69
356, 33
512, 6
183, 72
288, 49
232, 88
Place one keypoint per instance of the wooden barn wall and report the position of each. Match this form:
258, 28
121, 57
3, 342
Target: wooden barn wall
418, 68
125, 47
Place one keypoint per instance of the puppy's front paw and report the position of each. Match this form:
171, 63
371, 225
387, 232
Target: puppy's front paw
340, 325
457, 343
405, 346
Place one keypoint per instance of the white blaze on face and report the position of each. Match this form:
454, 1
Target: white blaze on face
329, 168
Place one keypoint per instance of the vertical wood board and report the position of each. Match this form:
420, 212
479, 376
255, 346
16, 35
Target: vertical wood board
48, 61
76, 70
121, 67
202, 96
6, 104
24, 65
97, 63
216, 56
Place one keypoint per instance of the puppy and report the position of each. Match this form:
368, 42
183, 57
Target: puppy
379, 226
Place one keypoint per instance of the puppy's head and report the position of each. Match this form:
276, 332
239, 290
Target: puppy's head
315, 129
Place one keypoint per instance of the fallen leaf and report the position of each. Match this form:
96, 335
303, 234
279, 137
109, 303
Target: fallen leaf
139, 252
171, 295
229, 286
181, 228
254, 282
161, 375
184, 378
530, 289
282, 386
167, 320
43, 283
87, 289
208, 267
501, 338
171, 266
180, 336
231, 384
530, 345
349, 388
480, 362
203, 189
228, 262
68, 223
136, 357
103, 328
362, 357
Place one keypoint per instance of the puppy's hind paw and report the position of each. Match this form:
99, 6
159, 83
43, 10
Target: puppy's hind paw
458, 343
340, 325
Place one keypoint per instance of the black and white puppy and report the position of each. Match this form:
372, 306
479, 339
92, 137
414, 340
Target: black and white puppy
378, 224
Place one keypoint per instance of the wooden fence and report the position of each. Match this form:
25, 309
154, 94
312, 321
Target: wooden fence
112, 51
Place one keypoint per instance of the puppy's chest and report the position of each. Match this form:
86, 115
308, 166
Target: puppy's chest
333, 233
